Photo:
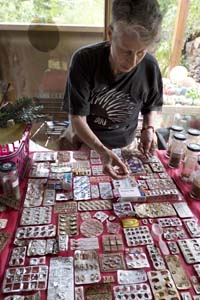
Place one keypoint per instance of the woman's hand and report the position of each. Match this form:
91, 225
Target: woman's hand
113, 166
147, 143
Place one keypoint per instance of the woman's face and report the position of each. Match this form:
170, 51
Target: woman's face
126, 50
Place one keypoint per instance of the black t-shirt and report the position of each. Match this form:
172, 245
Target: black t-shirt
111, 103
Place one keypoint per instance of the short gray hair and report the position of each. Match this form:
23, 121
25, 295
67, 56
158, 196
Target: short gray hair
140, 16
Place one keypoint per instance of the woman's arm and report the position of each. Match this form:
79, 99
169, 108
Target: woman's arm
147, 139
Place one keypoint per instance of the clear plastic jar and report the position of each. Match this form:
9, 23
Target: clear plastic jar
193, 136
9, 179
177, 150
173, 130
195, 190
190, 161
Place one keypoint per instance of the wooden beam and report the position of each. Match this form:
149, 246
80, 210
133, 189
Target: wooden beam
107, 17
179, 31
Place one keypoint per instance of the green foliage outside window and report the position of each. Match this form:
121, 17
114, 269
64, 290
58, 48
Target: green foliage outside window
87, 12
169, 9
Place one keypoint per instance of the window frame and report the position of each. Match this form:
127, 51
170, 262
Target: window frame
62, 27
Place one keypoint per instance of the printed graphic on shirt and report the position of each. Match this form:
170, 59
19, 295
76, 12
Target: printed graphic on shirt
109, 107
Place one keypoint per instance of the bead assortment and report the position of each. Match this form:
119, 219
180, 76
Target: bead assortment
3, 223
154, 210
131, 276
105, 190
35, 296
173, 247
85, 244
86, 267
169, 222
162, 285
61, 279
31, 278
178, 273
138, 236
136, 258
190, 249
197, 269
4, 238
68, 224
42, 247
79, 293
174, 233
156, 257
112, 243
112, 262
134, 291
69, 207
39, 170
36, 216
81, 188
18, 256
123, 209
44, 156
49, 197
34, 195
192, 227
195, 284
101, 216
91, 228
36, 231
99, 292
94, 205
183, 210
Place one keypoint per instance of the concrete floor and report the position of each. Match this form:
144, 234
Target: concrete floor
41, 139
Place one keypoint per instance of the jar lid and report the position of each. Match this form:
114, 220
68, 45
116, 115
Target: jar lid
180, 136
194, 147
7, 166
176, 128
193, 131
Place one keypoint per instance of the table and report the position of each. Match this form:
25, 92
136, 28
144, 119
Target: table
115, 250
183, 187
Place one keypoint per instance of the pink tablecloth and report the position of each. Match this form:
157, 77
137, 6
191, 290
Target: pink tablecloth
13, 217
183, 186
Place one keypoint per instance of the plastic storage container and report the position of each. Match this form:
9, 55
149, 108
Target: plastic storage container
173, 130
193, 136
177, 150
17, 152
9, 179
195, 190
190, 161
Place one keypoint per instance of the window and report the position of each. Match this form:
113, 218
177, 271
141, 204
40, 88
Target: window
72, 12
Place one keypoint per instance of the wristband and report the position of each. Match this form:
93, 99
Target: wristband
148, 127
